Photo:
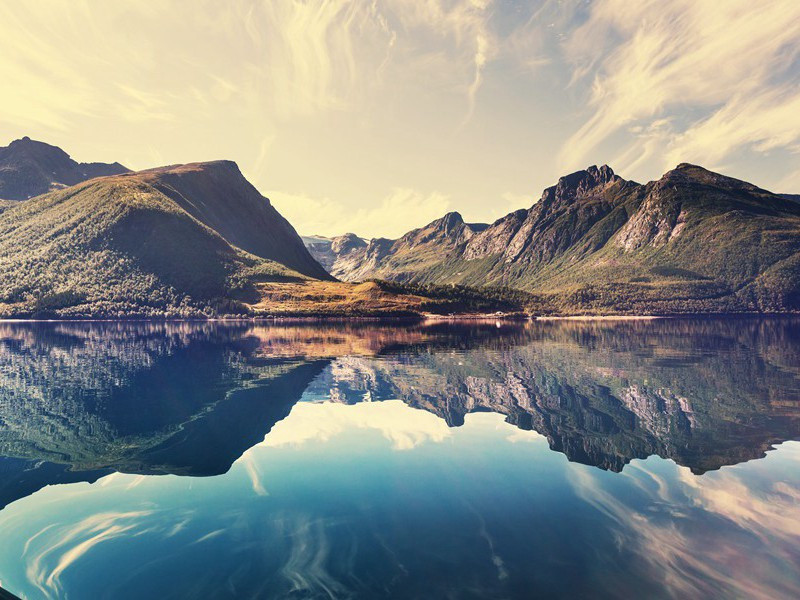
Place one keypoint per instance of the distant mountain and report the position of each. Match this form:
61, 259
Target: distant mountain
183, 240
419, 251
693, 241
29, 168
339, 255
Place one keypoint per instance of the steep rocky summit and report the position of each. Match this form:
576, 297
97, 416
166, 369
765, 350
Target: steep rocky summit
29, 168
692, 241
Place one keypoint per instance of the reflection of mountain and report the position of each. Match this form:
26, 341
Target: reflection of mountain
89, 400
78, 401
705, 393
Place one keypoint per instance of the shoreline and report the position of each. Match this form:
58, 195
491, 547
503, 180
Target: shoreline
421, 318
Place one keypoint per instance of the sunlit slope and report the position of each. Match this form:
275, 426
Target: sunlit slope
693, 241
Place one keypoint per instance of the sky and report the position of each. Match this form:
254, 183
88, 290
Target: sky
378, 116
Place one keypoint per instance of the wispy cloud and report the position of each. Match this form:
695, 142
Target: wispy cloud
391, 216
722, 76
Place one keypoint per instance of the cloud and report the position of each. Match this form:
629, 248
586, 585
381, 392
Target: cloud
61, 60
726, 533
391, 217
65, 545
404, 427
722, 75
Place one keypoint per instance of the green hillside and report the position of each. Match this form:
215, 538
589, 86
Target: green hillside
118, 246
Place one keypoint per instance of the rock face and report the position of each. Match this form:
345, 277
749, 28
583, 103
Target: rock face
29, 168
561, 219
340, 255
353, 259
693, 241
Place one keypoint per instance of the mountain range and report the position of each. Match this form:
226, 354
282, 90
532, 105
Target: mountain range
96, 240
693, 241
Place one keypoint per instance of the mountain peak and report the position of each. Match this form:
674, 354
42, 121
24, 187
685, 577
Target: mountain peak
217, 194
449, 222
39, 149
579, 184
347, 243
29, 168
689, 173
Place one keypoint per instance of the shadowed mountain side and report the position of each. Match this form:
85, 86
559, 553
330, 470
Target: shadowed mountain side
29, 168
693, 241
217, 194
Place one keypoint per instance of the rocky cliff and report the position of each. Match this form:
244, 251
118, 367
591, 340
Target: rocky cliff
692, 241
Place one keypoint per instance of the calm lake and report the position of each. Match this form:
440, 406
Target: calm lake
627, 459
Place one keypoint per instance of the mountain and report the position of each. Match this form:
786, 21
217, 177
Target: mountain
217, 195
693, 241
351, 258
195, 240
29, 168
339, 255
183, 240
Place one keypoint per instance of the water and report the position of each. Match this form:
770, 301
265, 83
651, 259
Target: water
564, 459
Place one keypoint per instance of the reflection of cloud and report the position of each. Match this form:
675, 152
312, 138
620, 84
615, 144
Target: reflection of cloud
253, 472
404, 427
306, 567
63, 546
711, 549
765, 515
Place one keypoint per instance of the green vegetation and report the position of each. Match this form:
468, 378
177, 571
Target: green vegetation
445, 299
117, 247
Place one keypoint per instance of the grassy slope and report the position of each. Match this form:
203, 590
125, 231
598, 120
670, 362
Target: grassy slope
118, 247
218, 195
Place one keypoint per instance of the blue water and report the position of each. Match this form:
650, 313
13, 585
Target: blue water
567, 460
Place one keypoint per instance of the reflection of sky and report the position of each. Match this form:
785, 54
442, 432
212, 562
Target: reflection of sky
378, 499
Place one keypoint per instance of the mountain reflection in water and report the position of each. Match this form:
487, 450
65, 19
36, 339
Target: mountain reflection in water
81, 401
